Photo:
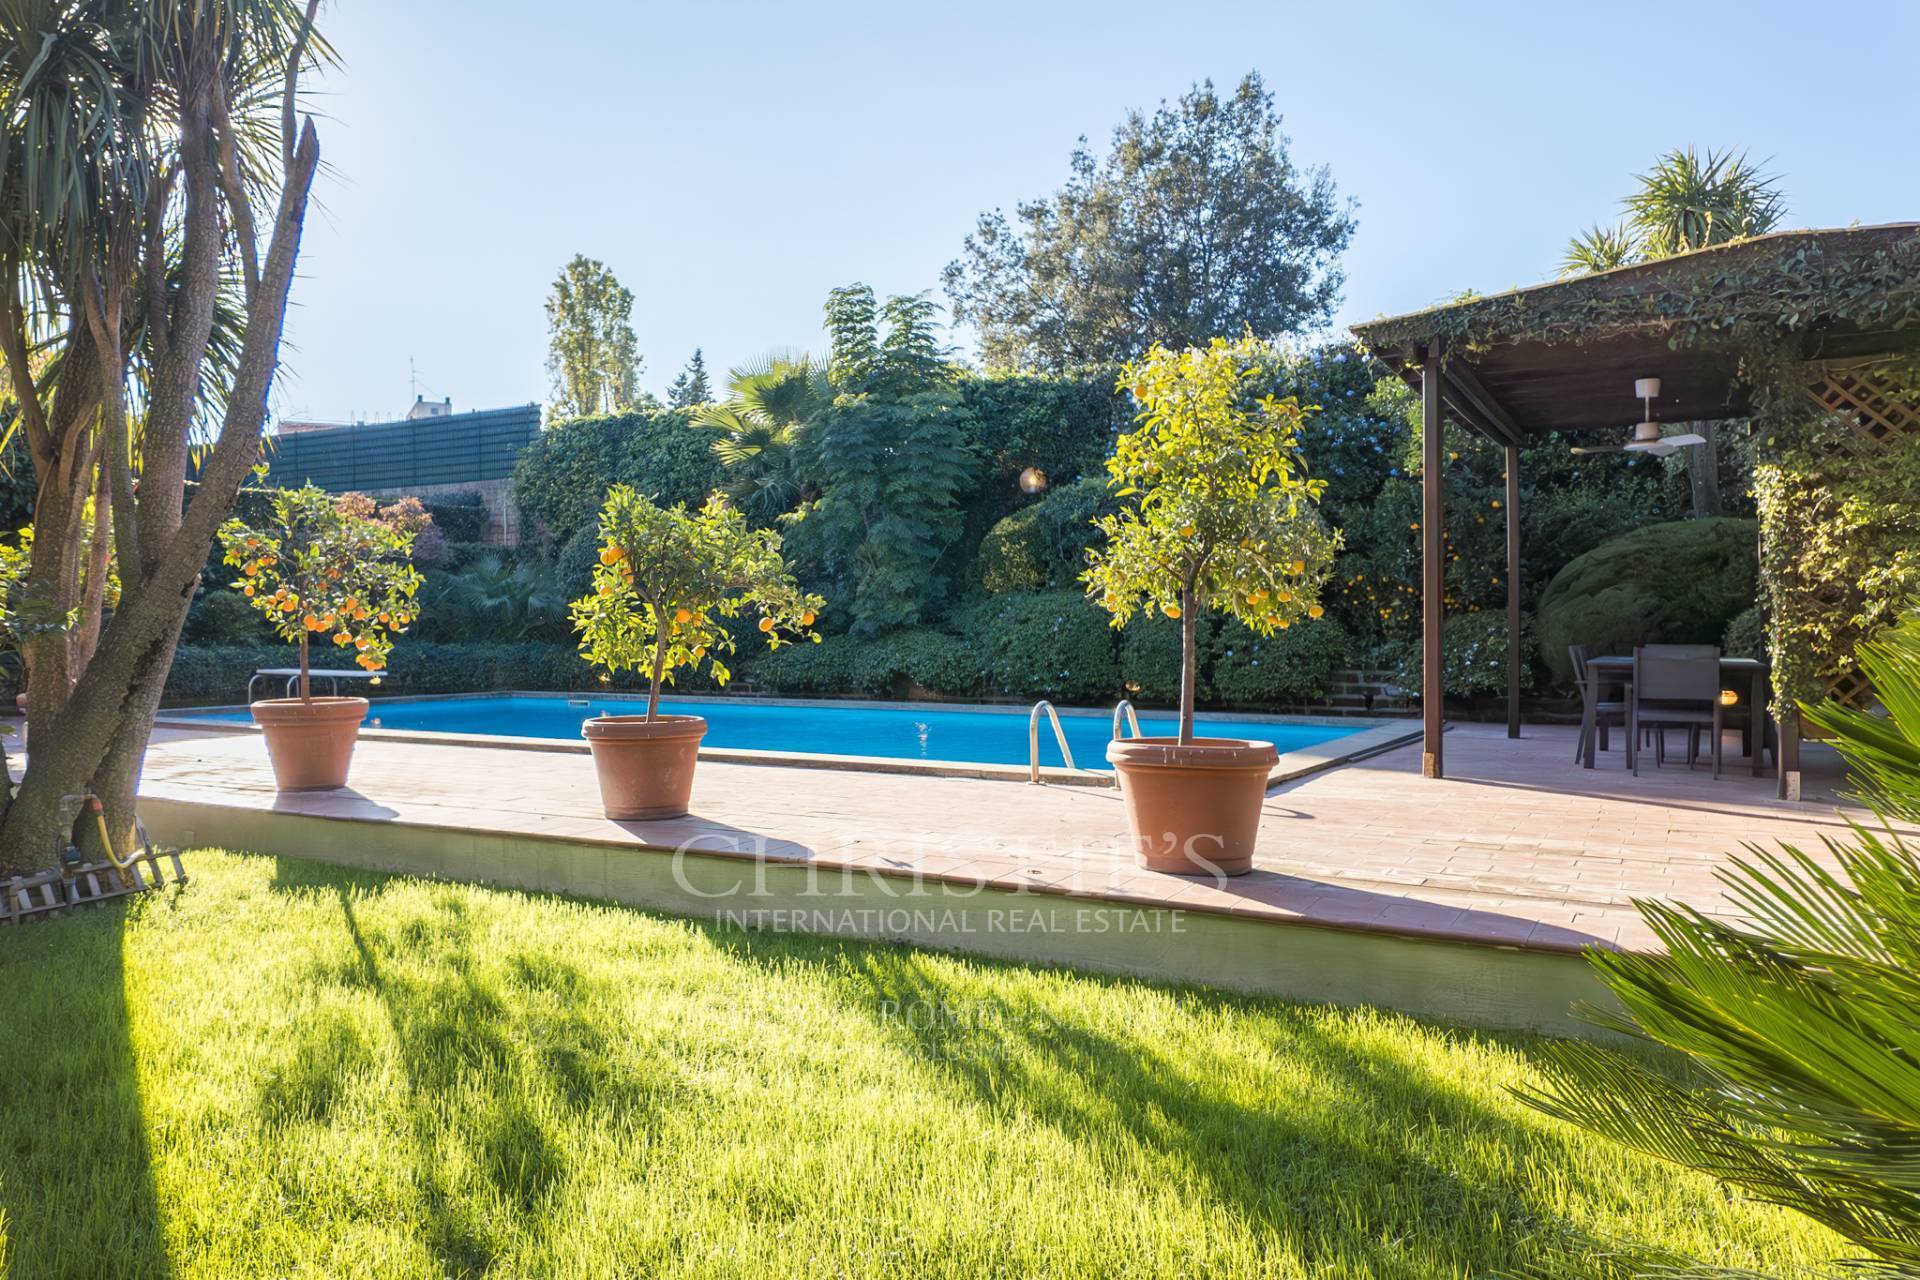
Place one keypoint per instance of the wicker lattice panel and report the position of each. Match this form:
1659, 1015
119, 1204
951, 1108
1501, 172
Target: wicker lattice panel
1879, 409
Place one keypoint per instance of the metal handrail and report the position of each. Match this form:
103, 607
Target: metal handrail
1133, 721
1033, 739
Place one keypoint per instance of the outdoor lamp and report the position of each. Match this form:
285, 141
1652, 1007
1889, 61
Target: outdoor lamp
1033, 480
1729, 698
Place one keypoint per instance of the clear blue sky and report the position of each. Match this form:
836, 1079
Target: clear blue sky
734, 161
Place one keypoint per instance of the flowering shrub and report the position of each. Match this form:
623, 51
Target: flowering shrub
666, 580
329, 566
1222, 513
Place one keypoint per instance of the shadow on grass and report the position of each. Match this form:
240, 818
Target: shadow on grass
76, 1173
1358, 1157
1367, 1157
483, 1089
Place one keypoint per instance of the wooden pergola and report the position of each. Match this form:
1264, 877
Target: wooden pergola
1564, 357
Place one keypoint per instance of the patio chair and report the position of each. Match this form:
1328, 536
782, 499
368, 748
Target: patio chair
1676, 686
1597, 708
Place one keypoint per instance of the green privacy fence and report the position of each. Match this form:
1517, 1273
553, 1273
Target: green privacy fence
456, 449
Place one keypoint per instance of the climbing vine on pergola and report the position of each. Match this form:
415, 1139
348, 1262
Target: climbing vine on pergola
1812, 339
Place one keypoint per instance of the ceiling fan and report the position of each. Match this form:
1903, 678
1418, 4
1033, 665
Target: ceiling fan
1646, 433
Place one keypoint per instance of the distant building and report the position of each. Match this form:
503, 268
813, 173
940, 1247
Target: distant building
432, 452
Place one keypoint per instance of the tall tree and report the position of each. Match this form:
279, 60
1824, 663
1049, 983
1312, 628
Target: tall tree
1196, 224
890, 452
1687, 201
154, 177
592, 355
691, 388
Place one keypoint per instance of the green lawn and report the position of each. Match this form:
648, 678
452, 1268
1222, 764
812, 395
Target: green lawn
291, 1070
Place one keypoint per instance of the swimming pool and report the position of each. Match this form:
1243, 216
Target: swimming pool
973, 735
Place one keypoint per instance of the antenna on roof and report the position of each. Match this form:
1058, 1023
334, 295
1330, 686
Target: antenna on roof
413, 379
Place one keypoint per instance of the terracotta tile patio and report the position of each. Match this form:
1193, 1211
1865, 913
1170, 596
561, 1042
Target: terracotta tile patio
1519, 847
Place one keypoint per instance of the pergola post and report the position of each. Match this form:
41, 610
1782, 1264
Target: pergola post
1514, 656
1433, 562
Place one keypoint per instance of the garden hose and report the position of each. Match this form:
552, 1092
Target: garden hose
106, 842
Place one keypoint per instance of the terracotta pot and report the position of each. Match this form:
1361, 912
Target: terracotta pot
310, 743
645, 766
1194, 809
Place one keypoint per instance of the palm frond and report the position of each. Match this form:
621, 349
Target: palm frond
1796, 1020
1600, 249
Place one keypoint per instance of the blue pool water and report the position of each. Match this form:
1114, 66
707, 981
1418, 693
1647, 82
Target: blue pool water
973, 735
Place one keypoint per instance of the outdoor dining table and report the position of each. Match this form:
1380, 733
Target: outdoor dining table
1619, 670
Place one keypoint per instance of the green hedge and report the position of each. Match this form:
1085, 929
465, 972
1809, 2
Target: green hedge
1288, 666
1675, 583
1051, 644
219, 673
563, 476
1236, 667
1475, 645
903, 663
461, 517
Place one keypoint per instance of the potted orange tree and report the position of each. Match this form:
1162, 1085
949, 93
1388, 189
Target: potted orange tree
667, 580
1220, 515
323, 566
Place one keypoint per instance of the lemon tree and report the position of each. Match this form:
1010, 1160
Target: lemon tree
667, 580
1220, 511
323, 566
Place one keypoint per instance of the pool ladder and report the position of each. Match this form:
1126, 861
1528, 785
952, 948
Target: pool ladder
1124, 711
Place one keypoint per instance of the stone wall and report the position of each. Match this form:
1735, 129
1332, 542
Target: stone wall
503, 521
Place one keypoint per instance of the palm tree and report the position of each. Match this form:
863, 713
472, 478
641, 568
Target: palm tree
1685, 202
1688, 201
1800, 1025
154, 175
760, 427
500, 602
1600, 249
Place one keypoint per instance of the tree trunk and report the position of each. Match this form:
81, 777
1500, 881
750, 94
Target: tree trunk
1189, 665
1703, 472
306, 679
659, 667
93, 742
118, 779
93, 599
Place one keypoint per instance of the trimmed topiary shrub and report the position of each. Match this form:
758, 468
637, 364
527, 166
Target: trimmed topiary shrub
1052, 644
1289, 666
1675, 583
1044, 545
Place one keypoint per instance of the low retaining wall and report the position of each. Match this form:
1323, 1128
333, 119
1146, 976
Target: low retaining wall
1495, 987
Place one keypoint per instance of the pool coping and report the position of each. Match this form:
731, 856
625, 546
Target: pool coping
1289, 767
